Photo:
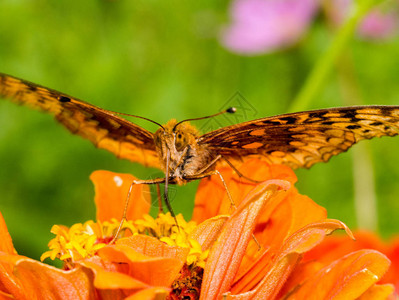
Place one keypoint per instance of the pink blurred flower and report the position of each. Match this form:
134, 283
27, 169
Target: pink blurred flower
376, 25
261, 26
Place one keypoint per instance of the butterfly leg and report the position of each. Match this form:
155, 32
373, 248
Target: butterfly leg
211, 164
151, 181
233, 205
239, 173
160, 210
214, 172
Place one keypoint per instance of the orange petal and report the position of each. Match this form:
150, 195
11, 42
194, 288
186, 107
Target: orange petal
292, 213
9, 284
285, 214
227, 252
303, 240
155, 263
299, 275
5, 296
272, 228
305, 211
346, 278
207, 232
300, 242
211, 198
210, 189
150, 270
5, 238
339, 245
271, 284
383, 291
257, 170
154, 293
40, 281
153, 247
111, 190
105, 279
393, 273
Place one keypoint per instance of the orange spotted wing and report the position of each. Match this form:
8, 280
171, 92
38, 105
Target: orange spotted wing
297, 139
304, 138
103, 128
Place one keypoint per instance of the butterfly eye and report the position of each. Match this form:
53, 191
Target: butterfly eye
179, 136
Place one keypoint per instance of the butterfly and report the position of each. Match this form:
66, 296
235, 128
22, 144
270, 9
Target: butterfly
298, 140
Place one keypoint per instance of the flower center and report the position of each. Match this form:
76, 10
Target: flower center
188, 285
84, 240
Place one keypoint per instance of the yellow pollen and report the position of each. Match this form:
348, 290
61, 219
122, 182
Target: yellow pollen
81, 241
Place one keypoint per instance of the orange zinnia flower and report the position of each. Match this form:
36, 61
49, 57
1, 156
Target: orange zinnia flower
338, 246
254, 250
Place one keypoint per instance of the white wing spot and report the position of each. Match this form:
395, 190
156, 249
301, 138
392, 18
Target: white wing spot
118, 180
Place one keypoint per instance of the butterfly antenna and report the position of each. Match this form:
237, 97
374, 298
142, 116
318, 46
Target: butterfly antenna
230, 110
134, 116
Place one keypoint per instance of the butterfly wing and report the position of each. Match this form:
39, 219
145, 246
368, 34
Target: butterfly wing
304, 138
103, 128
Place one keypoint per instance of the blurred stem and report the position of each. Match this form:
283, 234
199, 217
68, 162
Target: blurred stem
363, 170
364, 193
326, 62
364, 188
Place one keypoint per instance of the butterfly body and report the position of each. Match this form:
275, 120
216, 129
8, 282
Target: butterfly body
186, 158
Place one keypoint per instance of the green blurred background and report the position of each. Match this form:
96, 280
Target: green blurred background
162, 60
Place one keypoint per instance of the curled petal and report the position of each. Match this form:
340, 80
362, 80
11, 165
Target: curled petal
379, 291
300, 242
111, 190
49, 282
337, 246
147, 259
105, 279
308, 237
227, 252
271, 284
35, 280
348, 277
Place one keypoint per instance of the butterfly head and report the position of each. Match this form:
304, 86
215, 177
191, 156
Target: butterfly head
174, 144
176, 138
178, 148
183, 133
